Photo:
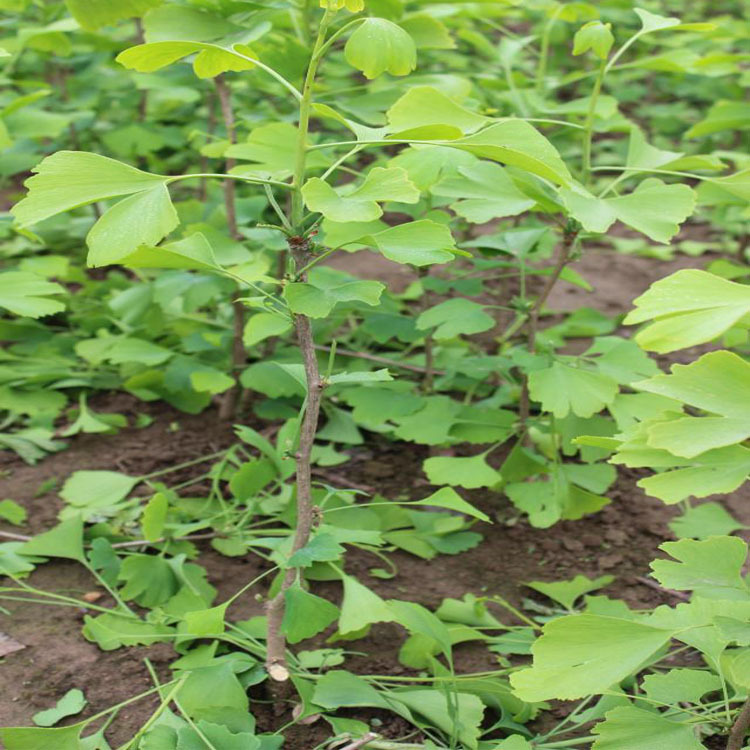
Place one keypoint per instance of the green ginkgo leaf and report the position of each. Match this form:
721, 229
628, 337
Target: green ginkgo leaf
709, 567
425, 106
655, 209
687, 308
562, 389
469, 472
29, 295
519, 144
631, 728
391, 184
380, 46
455, 317
317, 302
595, 36
143, 219
306, 615
580, 655
72, 703
419, 243
211, 60
93, 14
69, 179
484, 192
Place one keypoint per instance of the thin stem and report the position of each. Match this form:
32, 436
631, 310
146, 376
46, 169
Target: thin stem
588, 135
541, 71
242, 178
231, 398
258, 64
380, 360
569, 237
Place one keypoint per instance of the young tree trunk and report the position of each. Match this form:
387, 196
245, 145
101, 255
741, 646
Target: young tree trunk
740, 729
276, 643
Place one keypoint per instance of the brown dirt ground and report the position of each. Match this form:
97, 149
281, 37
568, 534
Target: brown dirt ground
620, 540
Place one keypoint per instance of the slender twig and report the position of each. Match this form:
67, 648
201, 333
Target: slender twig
378, 359
657, 587
570, 233
361, 742
232, 396
15, 537
740, 728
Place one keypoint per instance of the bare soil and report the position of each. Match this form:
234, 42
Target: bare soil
620, 540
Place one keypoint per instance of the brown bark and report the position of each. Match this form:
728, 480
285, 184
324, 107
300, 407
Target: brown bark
276, 644
740, 728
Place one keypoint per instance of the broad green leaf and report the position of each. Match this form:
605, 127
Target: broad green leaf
264, 325
93, 14
653, 22
562, 389
723, 115
65, 540
169, 23
719, 383
353, 6
567, 592
690, 685
206, 623
420, 243
306, 299
28, 295
631, 728
12, 512
462, 717
425, 106
455, 317
449, 499
719, 471
689, 307
339, 689
391, 184
110, 632
212, 687
642, 155
420, 621
306, 615
655, 209
378, 46
702, 521
361, 607
470, 472
141, 219
210, 380
154, 517
72, 703
519, 144
428, 32
595, 36
193, 252
33, 738
580, 655
69, 179
211, 60
322, 547
710, 567
485, 192
96, 490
